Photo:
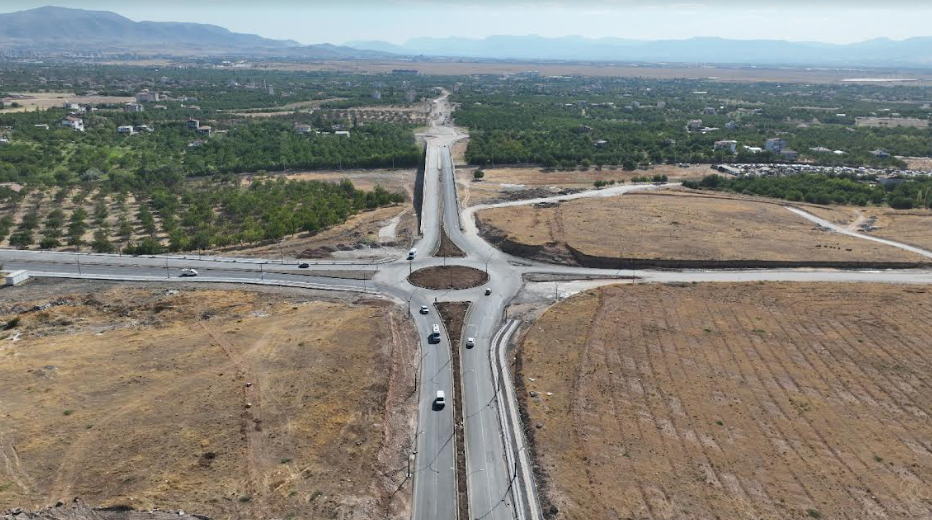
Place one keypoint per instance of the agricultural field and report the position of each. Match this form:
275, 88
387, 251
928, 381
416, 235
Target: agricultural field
223, 402
510, 183
32, 101
769, 401
678, 226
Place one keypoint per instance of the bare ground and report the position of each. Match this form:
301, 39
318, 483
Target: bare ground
769, 401
679, 226
230, 403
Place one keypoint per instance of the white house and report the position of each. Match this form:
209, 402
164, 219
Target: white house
731, 146
75, 123
147, 97
775, 145
342, 133
126, 129
133, 107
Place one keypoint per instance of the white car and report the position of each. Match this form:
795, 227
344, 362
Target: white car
440, 401
470, 342
188, 272
424, 309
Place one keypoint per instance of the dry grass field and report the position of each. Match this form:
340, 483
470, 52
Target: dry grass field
683, 226
43, 100
228, 403
912, 227
739, 401
506, 182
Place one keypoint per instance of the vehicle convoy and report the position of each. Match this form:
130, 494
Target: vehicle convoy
185, 273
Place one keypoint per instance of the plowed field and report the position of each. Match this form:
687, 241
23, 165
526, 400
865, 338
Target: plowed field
734, 401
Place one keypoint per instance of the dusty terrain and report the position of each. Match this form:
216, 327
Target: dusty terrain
912, 227
462, 67
523, 183
224, 402
677, 226
764, 401
44, 100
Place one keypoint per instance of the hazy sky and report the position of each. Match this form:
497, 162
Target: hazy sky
338, 21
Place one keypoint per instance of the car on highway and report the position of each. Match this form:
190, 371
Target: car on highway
470, 342
424, 309
188, 273
440, 401
488, 292
303, 265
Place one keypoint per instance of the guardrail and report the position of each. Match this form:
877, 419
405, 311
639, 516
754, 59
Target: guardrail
526, 502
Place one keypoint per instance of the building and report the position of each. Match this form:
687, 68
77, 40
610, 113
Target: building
147, 97
197, 143
731, 125
4, 140
820, 149
377, 94
694, 124
583, 129
880, 154
126, 129
42, 126
143, 128
789, 155
342, 133
753, 149
193, 124
405, 72
133, 108
710, 111
601, 143
303, 129
75, 123
731, 146
205, 130
73, 107
775, 145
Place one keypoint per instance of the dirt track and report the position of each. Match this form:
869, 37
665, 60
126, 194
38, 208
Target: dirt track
734, 401
230, 403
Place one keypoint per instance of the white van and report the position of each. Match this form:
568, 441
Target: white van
434, 334
440, 401
412, 253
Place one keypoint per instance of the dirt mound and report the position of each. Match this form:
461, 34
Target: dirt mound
456, 277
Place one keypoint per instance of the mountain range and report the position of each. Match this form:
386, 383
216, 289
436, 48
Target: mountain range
57, 29
76, 30
914, 52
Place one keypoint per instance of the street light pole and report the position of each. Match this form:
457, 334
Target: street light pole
79, 266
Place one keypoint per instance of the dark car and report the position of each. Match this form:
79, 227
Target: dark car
303, 265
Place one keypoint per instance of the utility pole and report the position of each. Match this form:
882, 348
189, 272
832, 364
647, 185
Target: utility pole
261, 271
79, 266
167, 271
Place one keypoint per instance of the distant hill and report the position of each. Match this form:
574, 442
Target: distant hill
63, 29
914, 52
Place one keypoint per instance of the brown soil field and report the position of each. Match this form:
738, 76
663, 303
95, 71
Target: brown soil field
447, 247
725, 74
46, 100
679, 226
228, 403
509, 183
455, 277
913, 227
764, 401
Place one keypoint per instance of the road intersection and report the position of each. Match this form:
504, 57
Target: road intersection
498, 468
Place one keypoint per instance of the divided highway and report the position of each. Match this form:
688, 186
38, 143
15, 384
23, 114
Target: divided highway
497, 464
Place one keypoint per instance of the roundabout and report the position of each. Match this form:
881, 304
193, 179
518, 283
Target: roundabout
450, 277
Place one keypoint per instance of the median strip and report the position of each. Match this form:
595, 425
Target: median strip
453, 315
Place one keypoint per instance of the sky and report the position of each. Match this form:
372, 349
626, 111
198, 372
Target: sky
395, 21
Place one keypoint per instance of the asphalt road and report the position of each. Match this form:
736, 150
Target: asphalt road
497, 488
